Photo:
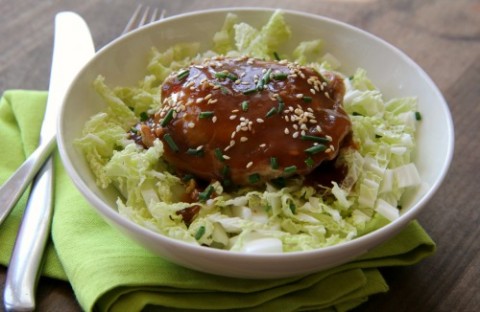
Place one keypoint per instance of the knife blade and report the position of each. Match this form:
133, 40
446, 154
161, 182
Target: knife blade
73, 47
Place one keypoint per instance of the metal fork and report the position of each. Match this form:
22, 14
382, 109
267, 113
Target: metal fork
141, 16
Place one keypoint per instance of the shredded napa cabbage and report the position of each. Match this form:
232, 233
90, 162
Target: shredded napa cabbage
294, 217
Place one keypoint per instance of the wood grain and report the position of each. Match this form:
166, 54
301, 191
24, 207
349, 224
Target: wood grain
442, 36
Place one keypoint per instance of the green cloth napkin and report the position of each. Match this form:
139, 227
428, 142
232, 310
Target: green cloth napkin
108, 272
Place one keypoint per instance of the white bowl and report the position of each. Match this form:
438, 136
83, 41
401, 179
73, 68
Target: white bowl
123, 62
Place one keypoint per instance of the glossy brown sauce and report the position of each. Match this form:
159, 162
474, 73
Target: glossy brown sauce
246, 121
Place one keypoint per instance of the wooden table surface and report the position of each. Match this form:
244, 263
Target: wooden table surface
442, 36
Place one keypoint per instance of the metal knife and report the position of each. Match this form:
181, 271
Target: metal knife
73, 47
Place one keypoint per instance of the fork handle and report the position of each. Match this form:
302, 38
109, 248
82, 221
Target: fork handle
24, 267
14, 187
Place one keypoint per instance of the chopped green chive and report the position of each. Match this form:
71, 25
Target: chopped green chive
168, 118
225, 171
200, 232
316, 149
280, 76
206, 114
274, 163
224, 74
290, 169
203, 196
221, 75
219, 154
183, 74
171, 143
309, 161
195, 152
253, 178
250, 91
232, 77
245, 106
265, 79
271, 112
418, 116
315, 139
225, 90
356, 114
307, 99
143, 116
281, 104
276, 56
134, 130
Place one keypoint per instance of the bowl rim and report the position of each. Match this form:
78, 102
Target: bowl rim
388, 230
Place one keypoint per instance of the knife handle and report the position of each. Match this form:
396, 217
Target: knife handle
14, 187
27, 255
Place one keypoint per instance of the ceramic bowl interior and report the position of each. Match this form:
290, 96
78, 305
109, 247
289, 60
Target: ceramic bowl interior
123, 62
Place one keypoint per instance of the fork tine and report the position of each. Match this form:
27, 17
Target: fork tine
139, 19
132, 20
162, 15
153, 17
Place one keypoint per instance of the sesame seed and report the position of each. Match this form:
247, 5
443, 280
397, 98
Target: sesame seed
312, 91
249, 164
232, 117
286, 131
295, 135
243, 139
299, 95
208, 96
225, 157
329, 138
191, 125
260, 120
263, 145
214, 119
